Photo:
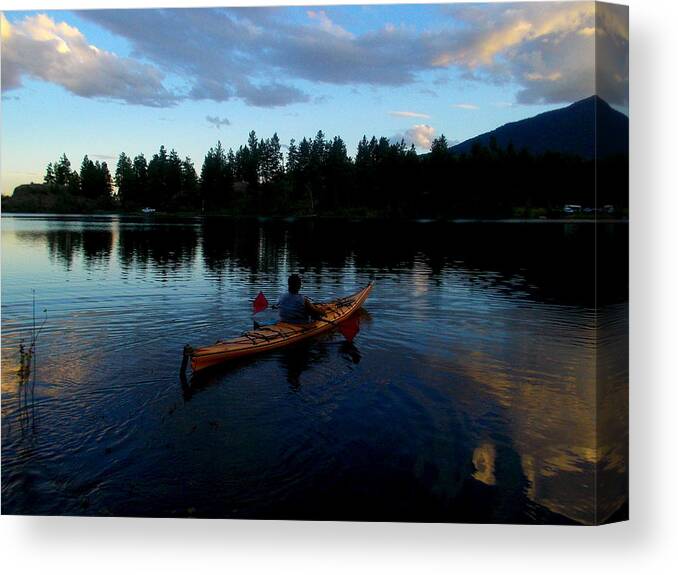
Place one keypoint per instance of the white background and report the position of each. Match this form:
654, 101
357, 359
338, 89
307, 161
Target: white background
646, 544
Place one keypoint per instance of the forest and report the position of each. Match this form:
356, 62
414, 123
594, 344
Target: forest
316, 176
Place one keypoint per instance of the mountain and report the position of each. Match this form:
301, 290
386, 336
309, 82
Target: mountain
568, 130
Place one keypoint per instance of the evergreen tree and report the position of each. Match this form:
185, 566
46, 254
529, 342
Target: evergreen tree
105, 192
49, 175
62, 171
253, 159
173, 176
88, 178
338, 175
189, 178
271, 159
126, 180
157, 193
140, 196
440, 147
73, 184
292, 157
216, 182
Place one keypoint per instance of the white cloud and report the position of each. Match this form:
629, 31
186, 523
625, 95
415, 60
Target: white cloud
498, 32
56, 52
421, 135
326, 25
409, 115
547, 48
465, 106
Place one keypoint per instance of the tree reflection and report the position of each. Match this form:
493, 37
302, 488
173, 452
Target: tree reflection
168, 248
549, 262
96, 246
63, 246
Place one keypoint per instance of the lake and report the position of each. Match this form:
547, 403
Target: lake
474, 390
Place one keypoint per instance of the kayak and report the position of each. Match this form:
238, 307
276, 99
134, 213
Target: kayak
278, 335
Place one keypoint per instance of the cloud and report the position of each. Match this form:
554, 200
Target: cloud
326, 25
421, 135
612, 53
409, 115
217, 121
271, 95
264, 56
222, 54
465, 106
547, 49
38, 47
102, 157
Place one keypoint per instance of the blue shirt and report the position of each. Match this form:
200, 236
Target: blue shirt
292, 308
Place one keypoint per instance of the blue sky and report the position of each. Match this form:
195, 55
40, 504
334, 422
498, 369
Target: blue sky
102, 82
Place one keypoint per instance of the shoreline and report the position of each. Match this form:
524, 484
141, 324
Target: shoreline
292, 219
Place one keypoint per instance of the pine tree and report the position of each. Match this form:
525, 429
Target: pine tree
189, 178
440, 147
140, 191
292, 157
49, 174
216, 182
62, 171
125, 180
88, 178
173, 176
157, 195
253, 160
73, 183
105, 192
270, 159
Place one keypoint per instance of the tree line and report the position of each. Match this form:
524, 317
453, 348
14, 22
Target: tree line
317, 176
93, 181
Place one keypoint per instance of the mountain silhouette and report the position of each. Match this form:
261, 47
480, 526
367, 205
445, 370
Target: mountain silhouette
577, 129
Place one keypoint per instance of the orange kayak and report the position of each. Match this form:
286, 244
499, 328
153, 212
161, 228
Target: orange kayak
281, 334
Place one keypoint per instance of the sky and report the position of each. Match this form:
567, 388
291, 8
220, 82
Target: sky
102, 82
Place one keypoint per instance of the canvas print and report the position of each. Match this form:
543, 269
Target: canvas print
364, 263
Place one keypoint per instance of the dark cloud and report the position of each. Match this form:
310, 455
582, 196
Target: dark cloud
217, 122
271, 95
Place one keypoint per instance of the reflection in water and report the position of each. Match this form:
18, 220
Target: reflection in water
469, 392
64, 245
167, 248
483, 460
298, 359
349, 350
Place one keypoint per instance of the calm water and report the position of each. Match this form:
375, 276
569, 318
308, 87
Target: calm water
468, 395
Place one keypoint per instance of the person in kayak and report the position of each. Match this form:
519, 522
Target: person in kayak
294, 307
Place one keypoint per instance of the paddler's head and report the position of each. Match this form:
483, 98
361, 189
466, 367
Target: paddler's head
294, 283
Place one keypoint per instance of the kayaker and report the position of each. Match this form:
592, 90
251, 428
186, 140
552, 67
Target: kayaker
294, 307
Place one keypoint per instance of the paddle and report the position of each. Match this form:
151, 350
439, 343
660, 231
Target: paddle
260, 303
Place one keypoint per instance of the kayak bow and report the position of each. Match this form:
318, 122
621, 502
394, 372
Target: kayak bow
281, 334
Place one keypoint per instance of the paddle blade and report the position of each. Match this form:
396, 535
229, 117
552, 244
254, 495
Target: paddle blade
260, 303
350, 328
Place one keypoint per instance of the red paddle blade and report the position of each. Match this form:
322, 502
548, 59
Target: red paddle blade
260, 303
350, 328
